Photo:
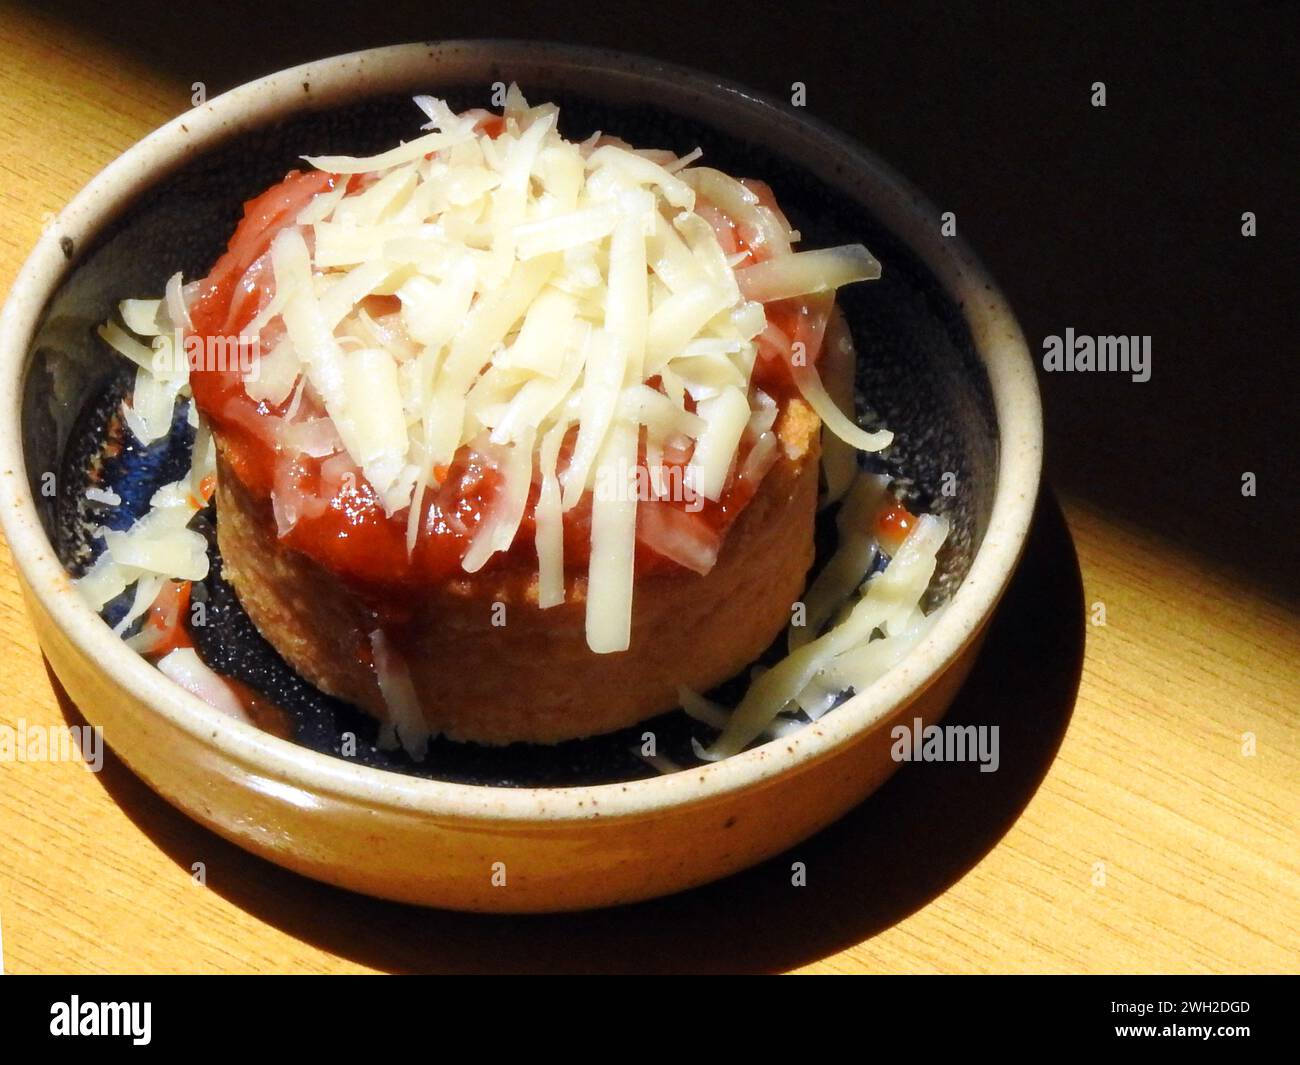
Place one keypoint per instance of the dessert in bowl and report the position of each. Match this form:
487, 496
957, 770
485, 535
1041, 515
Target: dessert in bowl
546, 423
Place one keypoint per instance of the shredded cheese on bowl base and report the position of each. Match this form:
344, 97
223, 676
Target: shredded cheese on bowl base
483, 338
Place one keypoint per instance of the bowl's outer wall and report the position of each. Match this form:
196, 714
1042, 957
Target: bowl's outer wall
493, 866
288, 809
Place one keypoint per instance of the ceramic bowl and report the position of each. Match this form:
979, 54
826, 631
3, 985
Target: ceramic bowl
941, 361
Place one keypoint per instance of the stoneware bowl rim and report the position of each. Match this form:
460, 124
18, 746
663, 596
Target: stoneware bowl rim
997, 339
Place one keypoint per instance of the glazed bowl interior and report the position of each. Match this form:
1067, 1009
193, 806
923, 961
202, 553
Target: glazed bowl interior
940, 361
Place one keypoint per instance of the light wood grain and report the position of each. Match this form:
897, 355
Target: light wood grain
1197, 840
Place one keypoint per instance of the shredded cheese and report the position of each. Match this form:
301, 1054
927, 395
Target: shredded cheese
889, 604
568, 310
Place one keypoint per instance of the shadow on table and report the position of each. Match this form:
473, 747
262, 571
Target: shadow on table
886, 859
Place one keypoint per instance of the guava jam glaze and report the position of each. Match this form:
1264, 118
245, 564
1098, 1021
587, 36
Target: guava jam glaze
340, 521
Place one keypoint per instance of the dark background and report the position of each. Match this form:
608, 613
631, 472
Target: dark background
1117, 220
1123, 220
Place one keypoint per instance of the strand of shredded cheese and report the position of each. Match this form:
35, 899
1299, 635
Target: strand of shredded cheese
889, 604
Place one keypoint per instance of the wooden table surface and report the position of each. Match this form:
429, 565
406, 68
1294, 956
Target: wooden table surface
1132, 826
